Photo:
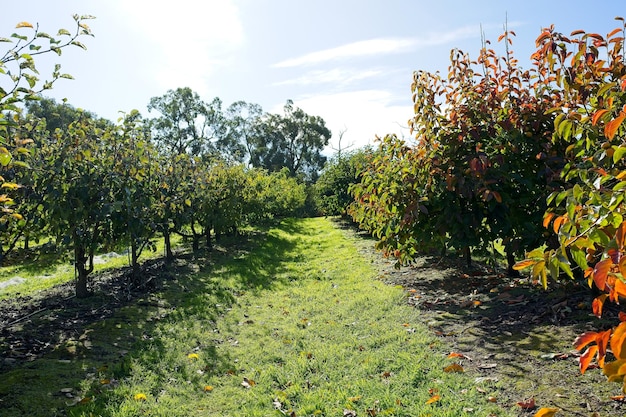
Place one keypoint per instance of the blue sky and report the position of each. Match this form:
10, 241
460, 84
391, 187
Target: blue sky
348, 61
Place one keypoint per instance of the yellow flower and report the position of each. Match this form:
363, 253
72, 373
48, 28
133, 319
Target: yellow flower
193, 356
140, 397
208, 388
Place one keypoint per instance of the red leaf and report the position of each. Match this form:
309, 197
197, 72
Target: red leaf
587, 357
584, 339
528, 404
622, 316
598, 304
600, 272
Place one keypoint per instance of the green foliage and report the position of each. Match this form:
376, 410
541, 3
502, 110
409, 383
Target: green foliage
293, 141
481, 167
21, 83
339, 174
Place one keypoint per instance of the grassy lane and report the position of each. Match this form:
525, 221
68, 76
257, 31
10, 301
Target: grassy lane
297, 326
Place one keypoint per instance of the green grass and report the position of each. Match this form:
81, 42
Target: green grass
45, 270
299, 325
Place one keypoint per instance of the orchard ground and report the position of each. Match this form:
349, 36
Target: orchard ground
510, 341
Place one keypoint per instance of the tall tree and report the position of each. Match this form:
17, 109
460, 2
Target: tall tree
187, 124
241, 119
294, 140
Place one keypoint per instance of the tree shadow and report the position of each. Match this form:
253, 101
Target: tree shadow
79, 343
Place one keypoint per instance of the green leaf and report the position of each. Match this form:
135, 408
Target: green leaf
579, 257
80, 45
5, 40
64, 32
67, 76
5, 159
619, 153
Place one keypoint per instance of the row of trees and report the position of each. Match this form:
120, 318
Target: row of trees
528, 158
195, 169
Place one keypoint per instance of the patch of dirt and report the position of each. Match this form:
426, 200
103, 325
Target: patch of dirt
33, 325
512, 337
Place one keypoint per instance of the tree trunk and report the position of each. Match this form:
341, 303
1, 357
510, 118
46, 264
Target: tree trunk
467, 254
510, 260
168, 245
209, 239
134, 262
80, 261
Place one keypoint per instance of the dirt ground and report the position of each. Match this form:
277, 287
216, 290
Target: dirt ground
514, 338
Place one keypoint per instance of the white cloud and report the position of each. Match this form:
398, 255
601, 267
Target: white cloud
380, 46
355, 49
362, 114
191, 37
335, 76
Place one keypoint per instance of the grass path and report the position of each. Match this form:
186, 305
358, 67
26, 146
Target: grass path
298, 326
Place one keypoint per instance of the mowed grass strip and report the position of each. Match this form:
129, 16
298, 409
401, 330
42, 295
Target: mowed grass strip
308, 331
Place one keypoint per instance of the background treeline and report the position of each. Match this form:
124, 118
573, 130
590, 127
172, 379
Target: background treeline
196, 169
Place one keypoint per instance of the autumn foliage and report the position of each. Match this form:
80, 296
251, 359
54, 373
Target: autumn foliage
532, 159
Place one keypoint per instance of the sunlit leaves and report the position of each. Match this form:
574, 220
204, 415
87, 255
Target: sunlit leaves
546, 412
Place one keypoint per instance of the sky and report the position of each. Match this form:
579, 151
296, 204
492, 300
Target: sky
350, 62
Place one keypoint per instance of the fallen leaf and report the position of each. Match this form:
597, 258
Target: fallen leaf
248, 383
355, 399
492, 399
349, 413
488, 365
455, 367
386, 374
208, 388
620, 398
458, 355
528, 404
546, 412
433, 399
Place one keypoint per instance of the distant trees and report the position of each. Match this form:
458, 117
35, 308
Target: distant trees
294, 140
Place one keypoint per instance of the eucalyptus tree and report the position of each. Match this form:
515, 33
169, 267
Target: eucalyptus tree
241, 120
187, 124
294, 140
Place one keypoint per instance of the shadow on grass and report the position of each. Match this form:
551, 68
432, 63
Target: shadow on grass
62, 352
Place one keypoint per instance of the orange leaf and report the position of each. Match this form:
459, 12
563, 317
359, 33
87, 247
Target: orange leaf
587, 357
618, 397
558, 222
619, 287
433, 399
597, 115
547, 218
598, 304
622, 316
524, 264
584, 339
602, 340
610, 129
542, 37
617, 341
455, 367
600, 272
528, 404
620, 235
546, 412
